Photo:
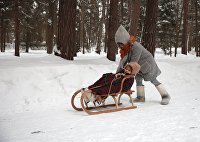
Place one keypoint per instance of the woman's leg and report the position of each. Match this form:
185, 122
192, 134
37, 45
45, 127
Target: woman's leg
163, 92
155, 82
140, 89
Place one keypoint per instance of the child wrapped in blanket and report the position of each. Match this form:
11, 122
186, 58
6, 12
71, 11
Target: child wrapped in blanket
110, 83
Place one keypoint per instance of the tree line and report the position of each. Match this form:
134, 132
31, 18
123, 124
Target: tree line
65, 27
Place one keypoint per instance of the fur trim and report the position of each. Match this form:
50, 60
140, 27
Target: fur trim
135, 67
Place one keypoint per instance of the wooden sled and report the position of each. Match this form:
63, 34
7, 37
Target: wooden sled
116, 97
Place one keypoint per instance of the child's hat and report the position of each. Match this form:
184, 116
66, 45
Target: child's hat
135, 67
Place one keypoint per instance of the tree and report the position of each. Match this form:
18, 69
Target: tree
66, 25
135, 14
82, 24
100, 28
50, 24
185, 27
17, 28
5, 18
197, 36
112, 28
106, 22
149, 33
2, 31
167, 25
179, 11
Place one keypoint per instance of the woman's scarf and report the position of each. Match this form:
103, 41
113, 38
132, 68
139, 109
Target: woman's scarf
127, 47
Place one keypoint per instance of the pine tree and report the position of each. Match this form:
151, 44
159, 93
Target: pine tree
149, 33
167, 25
112, 28
67, 16
17, 28
185, 27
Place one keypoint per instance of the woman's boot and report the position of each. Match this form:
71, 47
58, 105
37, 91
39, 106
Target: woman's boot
140, 94
164, 94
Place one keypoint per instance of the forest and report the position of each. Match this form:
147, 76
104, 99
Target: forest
66, 27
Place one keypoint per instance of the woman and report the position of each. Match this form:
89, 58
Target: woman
132, 51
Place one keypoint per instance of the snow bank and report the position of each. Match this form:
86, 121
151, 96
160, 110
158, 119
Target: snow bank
35, 93
39, 81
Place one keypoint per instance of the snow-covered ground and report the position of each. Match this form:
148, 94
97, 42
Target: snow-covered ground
36, 90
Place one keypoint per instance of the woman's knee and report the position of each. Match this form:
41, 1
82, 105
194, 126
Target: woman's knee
139, 81
155, 82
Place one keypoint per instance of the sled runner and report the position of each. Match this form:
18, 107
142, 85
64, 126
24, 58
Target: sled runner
99, 104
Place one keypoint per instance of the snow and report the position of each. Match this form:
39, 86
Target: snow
36, 91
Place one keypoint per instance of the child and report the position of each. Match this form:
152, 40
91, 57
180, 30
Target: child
110, 83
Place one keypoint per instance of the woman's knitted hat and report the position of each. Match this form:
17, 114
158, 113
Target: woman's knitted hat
122, 36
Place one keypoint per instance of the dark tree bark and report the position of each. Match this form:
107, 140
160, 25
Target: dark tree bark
28, 36
178, 25
99, 36
106, 25
50, 28
185, 27
112, 28
2, 32
149, 33
82, 17
67, 22
197, 41
17, 28
135, 14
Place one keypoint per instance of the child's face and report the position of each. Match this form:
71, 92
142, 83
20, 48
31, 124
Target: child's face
127, 70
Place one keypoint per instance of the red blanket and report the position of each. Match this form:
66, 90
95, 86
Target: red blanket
109, 84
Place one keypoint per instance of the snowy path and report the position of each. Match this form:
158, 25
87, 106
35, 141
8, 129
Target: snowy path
35, 102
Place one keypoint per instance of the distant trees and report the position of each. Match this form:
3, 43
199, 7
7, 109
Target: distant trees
167, 24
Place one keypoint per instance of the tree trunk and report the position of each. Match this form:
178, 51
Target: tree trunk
178, 25
185, 27
106, 27
2, 31
149, 33
82, 16
197, 46
28, 39
99, 37
112, 28
67, 28
121, 10
50, 24
28, 34
135, 14
17, 28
